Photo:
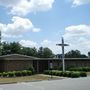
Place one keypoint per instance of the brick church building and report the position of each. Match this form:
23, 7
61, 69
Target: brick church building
15, 62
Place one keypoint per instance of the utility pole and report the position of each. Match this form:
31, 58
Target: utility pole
63, 45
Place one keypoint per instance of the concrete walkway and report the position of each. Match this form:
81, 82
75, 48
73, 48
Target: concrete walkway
64, 84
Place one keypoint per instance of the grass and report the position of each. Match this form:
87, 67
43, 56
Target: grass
37, 77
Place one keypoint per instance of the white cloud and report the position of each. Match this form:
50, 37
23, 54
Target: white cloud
79, 2
44, 43
36, 29
23, 7
51, 45
9, 2
28, 43
17, 27
78, 30
78, 36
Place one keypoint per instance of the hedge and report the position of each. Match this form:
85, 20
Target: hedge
83, 74
16, 73
29, 72
75, 74
11, 74
0, 74
72, 74
24, 73
4, 74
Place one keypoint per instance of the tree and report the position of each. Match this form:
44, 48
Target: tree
48, 53
89, 54
45, 53
10, 48
15, 47
6, 48
29, 51
40, 52
75, 54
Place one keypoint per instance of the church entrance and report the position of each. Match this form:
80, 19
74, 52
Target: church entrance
43, 65
40, 65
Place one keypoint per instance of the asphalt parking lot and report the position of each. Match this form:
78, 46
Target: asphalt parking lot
64, 84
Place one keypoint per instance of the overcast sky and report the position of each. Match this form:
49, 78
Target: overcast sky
35, 23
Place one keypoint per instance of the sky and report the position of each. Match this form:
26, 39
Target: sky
36, 23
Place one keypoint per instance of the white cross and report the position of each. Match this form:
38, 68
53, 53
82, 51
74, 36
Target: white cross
63, 45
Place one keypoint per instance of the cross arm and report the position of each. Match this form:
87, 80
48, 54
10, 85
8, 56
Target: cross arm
62, 44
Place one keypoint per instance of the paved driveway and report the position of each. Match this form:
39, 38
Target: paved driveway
64, 84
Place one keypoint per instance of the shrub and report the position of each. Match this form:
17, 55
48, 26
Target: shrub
83, 74
24, 72
69, 74
75, 74
29, 72
86, 69
4, 74
54, 72
11, 74
57, 73
66, 74
31, 68
50, 72
0, 74
18, 73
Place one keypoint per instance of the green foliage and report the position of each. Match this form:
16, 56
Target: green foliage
83, 74
4, 74
89, 54
73, 74
45, 53
18, 73
16, 48
24, 73
29, 72
31, 68
66, 74
11, 74
86, 69
29, 51
0, 74
10, 48
40, 52
75, 54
